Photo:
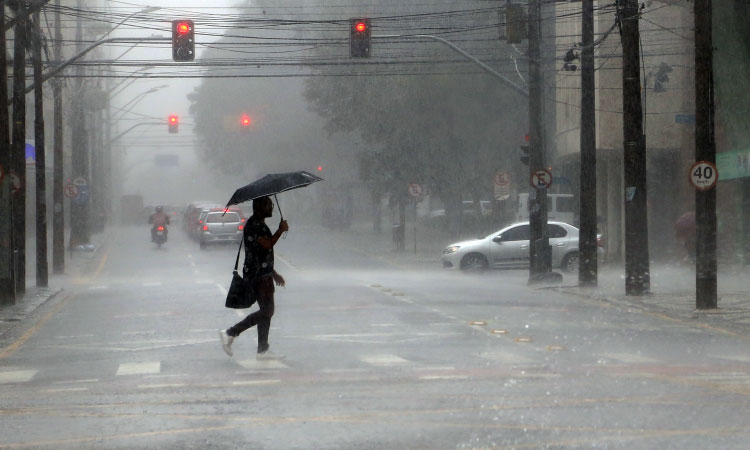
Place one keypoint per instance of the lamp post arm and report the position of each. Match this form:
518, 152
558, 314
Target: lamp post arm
131, 128
64, 65
458, 50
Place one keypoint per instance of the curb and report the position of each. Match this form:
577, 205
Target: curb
719, 319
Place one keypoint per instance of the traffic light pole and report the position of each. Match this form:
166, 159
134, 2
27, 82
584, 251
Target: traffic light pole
587, 271
705, 150
540, 253
42, 269
637, 276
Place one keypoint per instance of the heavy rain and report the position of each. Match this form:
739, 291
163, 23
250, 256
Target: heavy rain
372, 224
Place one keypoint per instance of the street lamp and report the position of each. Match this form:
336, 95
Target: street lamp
145, 10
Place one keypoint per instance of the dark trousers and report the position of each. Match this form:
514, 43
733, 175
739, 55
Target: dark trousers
264, 289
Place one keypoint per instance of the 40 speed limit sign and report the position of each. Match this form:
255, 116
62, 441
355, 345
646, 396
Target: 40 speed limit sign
703, 175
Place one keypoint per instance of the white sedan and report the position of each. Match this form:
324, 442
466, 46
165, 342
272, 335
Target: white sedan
509, 249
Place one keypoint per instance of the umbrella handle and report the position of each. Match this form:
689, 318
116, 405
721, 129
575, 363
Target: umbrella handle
283, 236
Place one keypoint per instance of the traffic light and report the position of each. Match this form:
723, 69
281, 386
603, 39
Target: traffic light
525, 155
245, 121
183, 40
359, 38
173, 121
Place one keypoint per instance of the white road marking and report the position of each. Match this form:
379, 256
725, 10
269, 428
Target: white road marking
65, 390
74, 337
383, 360
88, 380
139, 368
630, 358
16, 376
98, 287
506, 357
255, 382
151, 283
263, 364
161, 386
444, 377
138, 332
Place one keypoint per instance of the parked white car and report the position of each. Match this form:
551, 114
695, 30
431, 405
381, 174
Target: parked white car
508, 248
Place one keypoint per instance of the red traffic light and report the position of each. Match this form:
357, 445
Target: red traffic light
173, 119
182, 27
360, 26
320, 168
245, 120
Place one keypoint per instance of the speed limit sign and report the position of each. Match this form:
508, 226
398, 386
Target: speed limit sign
703, 175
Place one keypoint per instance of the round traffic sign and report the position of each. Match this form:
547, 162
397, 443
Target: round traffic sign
703, 175
71, 190
415, 190
541, 179
502, 179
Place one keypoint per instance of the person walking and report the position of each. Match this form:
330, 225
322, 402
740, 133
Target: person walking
259, 271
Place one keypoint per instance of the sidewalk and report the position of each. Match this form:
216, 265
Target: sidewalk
77, 265
672, 286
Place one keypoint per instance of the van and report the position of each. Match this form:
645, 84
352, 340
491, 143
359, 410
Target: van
560, 208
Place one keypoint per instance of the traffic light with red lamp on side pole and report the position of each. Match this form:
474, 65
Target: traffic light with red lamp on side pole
183, 40
172, 123
359, 38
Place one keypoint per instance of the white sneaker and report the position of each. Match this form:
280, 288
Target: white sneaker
226, 341
268, 355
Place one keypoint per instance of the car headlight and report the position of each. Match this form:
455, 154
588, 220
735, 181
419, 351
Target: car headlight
451, 249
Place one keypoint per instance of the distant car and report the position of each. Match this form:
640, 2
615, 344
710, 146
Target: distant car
221, 227
508, 248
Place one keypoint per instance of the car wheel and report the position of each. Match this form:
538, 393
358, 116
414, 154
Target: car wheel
474, 262
570, 263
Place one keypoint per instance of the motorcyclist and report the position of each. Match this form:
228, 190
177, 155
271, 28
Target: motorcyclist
158, 219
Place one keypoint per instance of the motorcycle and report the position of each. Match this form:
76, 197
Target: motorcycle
160, 236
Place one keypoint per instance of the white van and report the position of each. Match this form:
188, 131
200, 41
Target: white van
560, 208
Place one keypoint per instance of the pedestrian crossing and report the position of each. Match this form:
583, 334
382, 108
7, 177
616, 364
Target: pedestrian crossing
175, 374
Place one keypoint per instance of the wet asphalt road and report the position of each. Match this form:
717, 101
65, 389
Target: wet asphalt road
377, 357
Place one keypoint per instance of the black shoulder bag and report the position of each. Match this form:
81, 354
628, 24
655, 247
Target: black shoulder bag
240, 294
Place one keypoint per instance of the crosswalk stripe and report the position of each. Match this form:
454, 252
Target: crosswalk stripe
139, 368
16, 376
383, 360
255, 382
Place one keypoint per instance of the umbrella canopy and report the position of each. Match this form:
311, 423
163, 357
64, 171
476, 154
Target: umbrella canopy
272, 184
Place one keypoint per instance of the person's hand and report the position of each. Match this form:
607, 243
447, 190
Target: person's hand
279, 280
283, 226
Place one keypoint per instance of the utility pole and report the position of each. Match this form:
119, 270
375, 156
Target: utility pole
587, 272
637, 276
79, 208
18, 164
540, 254
58, 211
42, 270
705, 150
7, 282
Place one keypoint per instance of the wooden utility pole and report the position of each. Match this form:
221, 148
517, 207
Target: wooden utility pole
540, 254
80, 233
42, 269
587, 272
7, 281
58, 211
705, 150
637, 277
18, 164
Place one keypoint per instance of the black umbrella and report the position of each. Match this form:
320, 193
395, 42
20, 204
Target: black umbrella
272, 184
